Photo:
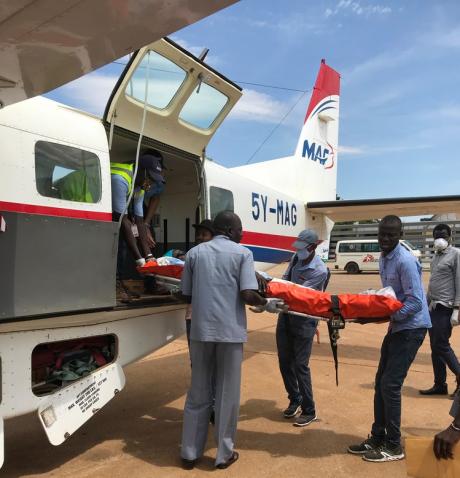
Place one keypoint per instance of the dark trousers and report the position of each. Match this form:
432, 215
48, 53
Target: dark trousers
441, 351
294, 339
188, 326
396, 356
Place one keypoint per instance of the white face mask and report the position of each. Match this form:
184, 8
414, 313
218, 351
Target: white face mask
303, 254
440, 244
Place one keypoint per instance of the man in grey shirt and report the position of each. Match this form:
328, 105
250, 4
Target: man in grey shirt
218, 279
444, 299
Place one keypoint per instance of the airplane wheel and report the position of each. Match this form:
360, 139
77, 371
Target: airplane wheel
352, 268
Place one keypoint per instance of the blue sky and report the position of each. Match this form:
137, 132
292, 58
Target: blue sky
400, 107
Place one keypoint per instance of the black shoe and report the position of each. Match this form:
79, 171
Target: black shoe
435, 390
384, 453
457, 388
229, 462
188, 464
304, 420
364, 447
293, 409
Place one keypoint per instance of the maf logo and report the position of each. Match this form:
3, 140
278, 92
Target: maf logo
317, 152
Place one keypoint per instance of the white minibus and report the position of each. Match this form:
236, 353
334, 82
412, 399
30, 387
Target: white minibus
357, 255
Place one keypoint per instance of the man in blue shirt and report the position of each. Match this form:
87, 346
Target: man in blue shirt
294, 335
400, 270
218, 280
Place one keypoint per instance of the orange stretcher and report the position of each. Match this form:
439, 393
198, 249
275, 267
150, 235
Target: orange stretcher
152, 267
334, 309
321, 304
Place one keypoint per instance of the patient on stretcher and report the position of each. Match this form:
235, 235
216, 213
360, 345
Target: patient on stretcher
367, 306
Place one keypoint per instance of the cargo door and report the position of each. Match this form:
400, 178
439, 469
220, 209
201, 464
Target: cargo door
171, 96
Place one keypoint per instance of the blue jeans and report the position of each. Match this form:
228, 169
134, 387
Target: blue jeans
441, 351
396, 356
294, 339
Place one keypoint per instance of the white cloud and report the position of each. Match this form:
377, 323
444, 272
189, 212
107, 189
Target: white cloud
351, 150
196, 50
374, 150
445, 112
357, 8
449, 39
377, 63
259, 107
89, 93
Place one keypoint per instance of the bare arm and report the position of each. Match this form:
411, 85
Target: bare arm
251, 297
128, 235
445, 441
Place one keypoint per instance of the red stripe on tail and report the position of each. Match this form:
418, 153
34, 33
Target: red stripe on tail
327, 84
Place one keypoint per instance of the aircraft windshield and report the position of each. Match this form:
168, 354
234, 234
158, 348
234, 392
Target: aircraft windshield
165, 79
203, 106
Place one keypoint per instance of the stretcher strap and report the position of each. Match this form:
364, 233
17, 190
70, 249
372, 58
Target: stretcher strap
334, 335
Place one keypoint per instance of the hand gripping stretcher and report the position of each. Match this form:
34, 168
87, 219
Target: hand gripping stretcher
367, 307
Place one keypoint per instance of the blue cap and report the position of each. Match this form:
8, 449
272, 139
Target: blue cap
153, 164
305, 238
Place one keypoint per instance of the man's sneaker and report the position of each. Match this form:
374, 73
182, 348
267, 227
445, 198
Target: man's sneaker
384, 453
367, 445
304, 420
293, 409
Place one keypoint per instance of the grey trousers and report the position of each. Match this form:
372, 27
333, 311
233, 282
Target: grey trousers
224, 359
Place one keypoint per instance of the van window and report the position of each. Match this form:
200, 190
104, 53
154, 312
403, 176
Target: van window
65, 172
350, 247
371, 247
220, 200
164, 80
203, 106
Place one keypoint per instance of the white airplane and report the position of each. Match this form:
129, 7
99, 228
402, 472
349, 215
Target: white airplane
58, 256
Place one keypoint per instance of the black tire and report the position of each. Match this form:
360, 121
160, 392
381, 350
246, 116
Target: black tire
352, 268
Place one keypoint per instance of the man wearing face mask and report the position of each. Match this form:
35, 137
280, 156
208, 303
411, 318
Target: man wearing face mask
443, 299
294, 335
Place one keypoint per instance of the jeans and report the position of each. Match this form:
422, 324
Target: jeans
441, 351
396, 356
294, 339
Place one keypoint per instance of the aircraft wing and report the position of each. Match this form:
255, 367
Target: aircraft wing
355, 210
47, 43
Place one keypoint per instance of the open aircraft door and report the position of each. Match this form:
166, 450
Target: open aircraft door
172, 97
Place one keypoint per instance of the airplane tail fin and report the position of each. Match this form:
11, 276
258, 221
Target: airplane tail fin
311, 173
318, 139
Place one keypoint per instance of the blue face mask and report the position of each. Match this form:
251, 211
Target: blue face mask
303, 254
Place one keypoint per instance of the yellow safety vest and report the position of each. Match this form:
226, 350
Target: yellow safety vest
125, 170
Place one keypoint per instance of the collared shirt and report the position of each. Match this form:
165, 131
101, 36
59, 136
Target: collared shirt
313, 275
402, 271
214, 274
444, 286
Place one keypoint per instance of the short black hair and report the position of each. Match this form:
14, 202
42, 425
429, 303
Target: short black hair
226, 220
443, 227
392, 221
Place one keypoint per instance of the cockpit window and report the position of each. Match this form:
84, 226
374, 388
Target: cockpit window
164, 80
203, 106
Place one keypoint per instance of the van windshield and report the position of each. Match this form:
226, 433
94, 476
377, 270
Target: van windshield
409, 245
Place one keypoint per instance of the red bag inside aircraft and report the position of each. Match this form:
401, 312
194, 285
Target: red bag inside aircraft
152, 267
352, 306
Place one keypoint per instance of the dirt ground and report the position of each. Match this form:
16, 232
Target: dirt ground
138, 433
